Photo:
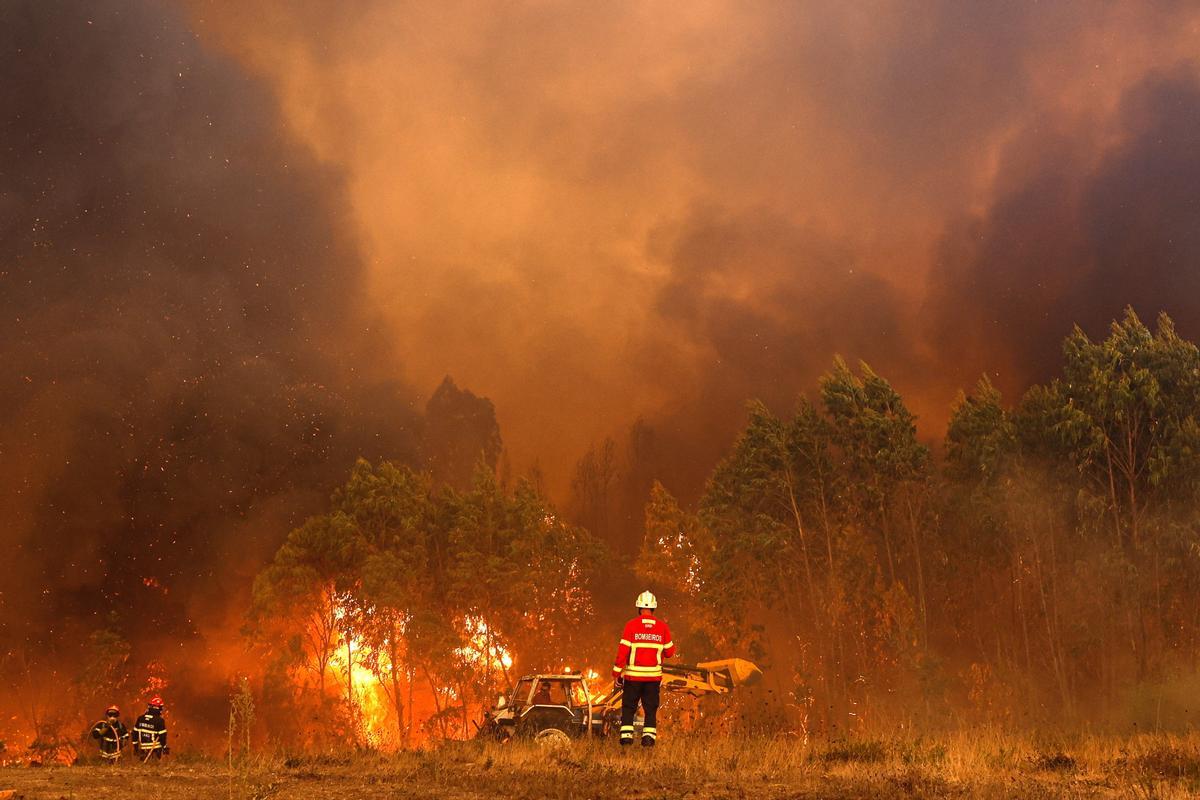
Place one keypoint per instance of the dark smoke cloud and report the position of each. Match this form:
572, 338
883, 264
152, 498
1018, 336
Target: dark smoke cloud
187, 363
525, 182
589, 213
765, 304
1073, 239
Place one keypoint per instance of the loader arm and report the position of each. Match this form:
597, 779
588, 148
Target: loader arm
707, 677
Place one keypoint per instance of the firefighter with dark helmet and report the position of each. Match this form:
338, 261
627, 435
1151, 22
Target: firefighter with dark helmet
645, 642
111, 734
150, 732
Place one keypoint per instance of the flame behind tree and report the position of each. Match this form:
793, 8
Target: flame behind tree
423, 596
393, 513
519, 566
299, 594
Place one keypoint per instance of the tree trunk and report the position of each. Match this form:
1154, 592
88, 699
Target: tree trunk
351, 705
1018, 573
394, 675
1112, 490
885, 526
916, 544
1132, 473
799, 522
408, 727
462, 692
1052, 640
437, 701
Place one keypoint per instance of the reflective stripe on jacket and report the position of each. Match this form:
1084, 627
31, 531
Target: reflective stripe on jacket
150, 732
110, 734
645, 642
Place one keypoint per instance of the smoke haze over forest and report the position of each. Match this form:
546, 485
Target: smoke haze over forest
188, 359
591, 213
242, 243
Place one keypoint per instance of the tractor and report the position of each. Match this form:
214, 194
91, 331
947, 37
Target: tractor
555, 708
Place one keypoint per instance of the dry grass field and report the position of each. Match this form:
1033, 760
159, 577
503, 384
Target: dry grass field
968, 765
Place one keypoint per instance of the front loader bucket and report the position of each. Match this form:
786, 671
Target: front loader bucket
738, 671
718, 677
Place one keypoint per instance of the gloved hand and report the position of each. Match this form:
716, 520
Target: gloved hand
618, 682
166, 751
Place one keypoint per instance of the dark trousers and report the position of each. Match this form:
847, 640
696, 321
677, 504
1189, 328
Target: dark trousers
646, 693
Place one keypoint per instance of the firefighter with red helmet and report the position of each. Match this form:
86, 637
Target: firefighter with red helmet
637, 669
150, 732
111, 734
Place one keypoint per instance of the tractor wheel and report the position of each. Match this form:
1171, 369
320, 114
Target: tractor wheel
552, 739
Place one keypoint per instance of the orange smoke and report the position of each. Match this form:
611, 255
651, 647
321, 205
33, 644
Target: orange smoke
600, 212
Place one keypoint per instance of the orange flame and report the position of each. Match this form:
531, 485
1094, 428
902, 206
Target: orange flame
483, 647
367, 697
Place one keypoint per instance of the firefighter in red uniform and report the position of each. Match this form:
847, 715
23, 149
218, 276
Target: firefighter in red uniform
645, 642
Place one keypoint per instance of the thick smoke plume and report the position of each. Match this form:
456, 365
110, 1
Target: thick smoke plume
1073, 238
606, 211
186, 354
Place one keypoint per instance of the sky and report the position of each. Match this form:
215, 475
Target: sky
241, 243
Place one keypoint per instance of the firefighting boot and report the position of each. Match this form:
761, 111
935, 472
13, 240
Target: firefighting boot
626, 735
648, 736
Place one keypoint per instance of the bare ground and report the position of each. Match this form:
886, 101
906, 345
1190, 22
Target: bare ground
973, 765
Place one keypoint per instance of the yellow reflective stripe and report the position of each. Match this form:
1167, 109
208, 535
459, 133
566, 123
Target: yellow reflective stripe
626, 642
657, 648
649, 730
668, 645
626, 727
651, 668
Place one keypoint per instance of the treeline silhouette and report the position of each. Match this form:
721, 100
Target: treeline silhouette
1045, 567
1042, 566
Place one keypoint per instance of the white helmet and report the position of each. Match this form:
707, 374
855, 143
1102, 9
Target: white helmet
647, 600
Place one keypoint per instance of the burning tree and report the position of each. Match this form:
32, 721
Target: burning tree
407, 596
394, 516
